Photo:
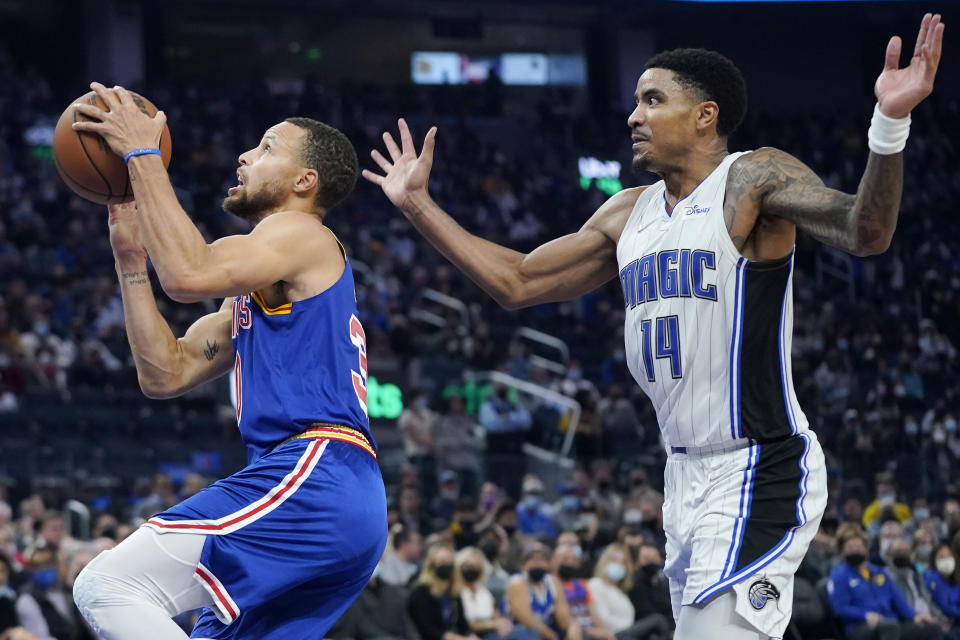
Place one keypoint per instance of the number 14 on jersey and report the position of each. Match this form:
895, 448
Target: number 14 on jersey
665, 332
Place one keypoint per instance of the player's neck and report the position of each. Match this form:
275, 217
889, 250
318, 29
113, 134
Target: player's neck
682, 179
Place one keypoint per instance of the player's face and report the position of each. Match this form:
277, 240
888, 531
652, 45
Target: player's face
662, 124
267, 173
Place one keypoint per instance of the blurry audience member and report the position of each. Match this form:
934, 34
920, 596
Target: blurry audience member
536, 600
460, 445
479, 605
379, 613
445, 502
434, 604
44, 607
612, 580
416, 424
941, 581
533, 515
400, 562
650, 593
583, 610
903, 572
865, 599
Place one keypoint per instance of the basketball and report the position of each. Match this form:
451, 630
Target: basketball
87, 164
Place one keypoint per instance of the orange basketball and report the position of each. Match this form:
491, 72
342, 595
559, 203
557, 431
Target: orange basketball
87, 164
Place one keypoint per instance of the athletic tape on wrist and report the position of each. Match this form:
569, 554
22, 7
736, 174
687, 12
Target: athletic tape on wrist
143, 151
887, 135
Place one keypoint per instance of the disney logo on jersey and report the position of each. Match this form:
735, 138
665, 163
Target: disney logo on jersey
695, 209
670, 273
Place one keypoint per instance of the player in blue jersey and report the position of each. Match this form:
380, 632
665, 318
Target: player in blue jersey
281, 548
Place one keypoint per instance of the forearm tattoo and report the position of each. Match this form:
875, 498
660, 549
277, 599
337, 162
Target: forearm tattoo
135, 277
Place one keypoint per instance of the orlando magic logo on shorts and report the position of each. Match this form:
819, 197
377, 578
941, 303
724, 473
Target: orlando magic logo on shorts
760, 593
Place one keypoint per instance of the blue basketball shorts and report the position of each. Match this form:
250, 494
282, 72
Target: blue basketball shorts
291, 540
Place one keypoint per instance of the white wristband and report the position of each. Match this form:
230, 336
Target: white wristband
887, 135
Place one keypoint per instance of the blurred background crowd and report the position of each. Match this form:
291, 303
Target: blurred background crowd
499, 528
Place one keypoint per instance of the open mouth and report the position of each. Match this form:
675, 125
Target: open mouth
233, 190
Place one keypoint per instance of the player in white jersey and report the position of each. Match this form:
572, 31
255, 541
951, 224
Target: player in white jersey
705, 259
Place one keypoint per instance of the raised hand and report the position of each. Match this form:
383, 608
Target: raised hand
407, 174
125, 231
900, 90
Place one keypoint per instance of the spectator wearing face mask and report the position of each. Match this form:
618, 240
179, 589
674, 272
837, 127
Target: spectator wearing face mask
533, 515
902, 570
650, 593
885, 506
45, 608
941, 581
416, 425
506, 424
434, 604
923, 545
448, 496
612, 579
536, 600
478, 603
865, 599
583, 610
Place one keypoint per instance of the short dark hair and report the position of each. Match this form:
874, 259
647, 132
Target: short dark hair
713, 76
331, 154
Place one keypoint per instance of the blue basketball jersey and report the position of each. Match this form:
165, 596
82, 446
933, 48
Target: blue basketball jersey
298, 364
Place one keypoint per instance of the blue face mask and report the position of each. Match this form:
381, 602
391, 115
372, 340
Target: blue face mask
531, 502
44, 578
571, 503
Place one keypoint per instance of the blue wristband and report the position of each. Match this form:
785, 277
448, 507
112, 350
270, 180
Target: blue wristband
144, 151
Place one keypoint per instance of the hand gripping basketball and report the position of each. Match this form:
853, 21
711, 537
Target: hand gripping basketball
124, 127
900, 90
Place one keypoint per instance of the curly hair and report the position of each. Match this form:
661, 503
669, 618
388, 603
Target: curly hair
331, 154
713, 76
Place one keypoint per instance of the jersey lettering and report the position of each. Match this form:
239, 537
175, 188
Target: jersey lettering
670, 273
241, 314
359, 340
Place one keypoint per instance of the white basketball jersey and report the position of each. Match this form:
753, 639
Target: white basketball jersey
707, 331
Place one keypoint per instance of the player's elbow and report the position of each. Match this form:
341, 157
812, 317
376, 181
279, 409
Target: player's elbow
157, 390
184, 288
872, 248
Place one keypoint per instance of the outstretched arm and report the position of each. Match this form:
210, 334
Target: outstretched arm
166, 366
562, 269
861, 224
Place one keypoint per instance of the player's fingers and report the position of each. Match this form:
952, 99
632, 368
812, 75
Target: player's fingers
428, 144
406, 140
892, 60
932, 30
922, 36
936, 44
392, 147
372, 177
108, 96
381, 161
123, 96
89, 110
96, 127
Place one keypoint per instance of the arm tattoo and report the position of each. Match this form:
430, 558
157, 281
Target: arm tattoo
862, 224
135, 277
210, 352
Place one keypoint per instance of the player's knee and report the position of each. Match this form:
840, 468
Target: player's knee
89, 594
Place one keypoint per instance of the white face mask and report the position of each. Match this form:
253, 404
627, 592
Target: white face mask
615, 571
946, 566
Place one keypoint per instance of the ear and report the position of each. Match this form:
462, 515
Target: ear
307, 180
707, 115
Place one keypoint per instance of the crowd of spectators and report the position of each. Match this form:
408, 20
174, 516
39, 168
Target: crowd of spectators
874, 362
